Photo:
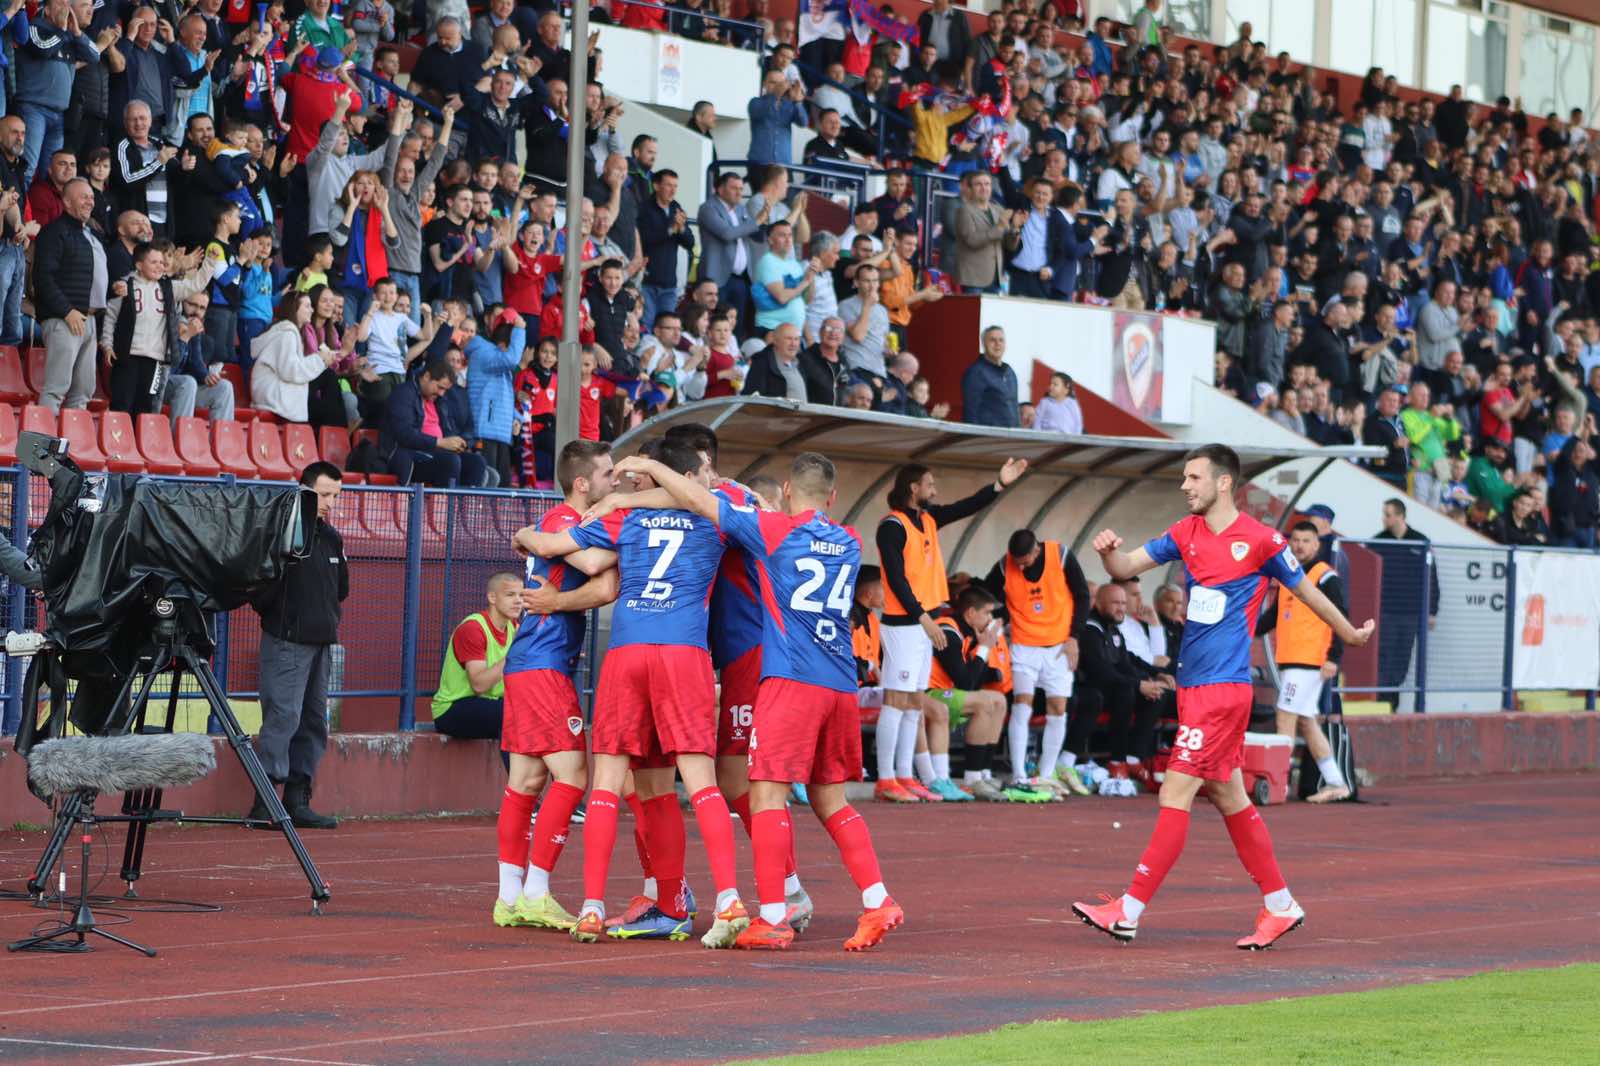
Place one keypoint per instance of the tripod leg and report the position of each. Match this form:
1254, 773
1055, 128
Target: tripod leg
39, 883
257, 774
149, 799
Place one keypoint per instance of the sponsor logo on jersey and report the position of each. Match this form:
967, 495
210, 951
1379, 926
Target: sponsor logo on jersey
1239, 549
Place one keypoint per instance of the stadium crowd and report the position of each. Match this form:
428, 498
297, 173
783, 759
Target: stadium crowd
268, 226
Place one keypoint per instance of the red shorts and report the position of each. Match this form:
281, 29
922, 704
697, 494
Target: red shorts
740, 681
1211, 724
805, 733
655, 701
541, 713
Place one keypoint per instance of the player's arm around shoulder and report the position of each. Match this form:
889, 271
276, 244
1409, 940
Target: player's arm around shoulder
686, 494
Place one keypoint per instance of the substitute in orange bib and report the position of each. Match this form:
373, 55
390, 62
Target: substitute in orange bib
1307, 652
915, 585
1046, 600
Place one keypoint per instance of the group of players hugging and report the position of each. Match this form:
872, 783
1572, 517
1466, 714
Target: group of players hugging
757, 582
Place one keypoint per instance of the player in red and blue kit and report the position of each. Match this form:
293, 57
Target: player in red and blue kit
543, 721
655, 705
1229, 559
807, 726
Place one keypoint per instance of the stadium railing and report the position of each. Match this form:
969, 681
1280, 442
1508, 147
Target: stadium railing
419, 559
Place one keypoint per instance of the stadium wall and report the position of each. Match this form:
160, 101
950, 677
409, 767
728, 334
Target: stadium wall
420, 774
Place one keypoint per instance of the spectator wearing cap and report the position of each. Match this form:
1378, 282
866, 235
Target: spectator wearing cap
1385, 430
1324, 348
989, 386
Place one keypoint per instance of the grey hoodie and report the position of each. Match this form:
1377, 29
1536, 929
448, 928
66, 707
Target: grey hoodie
406, 207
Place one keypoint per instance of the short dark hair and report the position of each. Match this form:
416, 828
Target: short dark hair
675, 455
612, 264
694, 435
1305, 526
1223, 459
1021, 543
769, 487
727, 176
319, 469
1397, 503
868, 575
440, 370
577, 460
664, 172
974, 596
640, 140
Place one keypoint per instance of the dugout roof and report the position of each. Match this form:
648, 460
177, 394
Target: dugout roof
1073, 482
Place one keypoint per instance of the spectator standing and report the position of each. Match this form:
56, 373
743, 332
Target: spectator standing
1269, 344
826, 372
780, 106
44, 71
69, 285
981, 230
663, 232
406, 183
1035, 235
781, 283
1430, 428
1408, 576
989, 386
1574, 495
13, 256
299, 627
1385, 430
726, 225
145, 327
866, 329
1124, 266
492, 363
823, 301
1059, 411
330, 166
944, 28
1438, 327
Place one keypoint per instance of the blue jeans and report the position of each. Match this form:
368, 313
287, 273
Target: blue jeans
657, 299
46, 132
249, 330
356, 302
411, 283
438, 468
13, 264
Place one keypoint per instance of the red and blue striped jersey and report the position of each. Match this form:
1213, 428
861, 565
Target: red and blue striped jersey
666, 562
805, 566
550, 641
1228, 574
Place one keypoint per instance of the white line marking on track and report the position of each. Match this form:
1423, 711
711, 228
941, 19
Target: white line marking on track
101, 1047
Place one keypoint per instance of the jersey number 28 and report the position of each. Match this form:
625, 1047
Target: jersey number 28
838, 597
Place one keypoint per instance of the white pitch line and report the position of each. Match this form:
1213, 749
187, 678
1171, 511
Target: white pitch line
102, 1047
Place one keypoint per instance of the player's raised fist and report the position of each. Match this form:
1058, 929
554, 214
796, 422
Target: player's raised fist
1364, 634
1106, 541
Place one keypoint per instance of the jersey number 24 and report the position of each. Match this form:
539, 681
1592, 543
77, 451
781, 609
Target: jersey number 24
816, 575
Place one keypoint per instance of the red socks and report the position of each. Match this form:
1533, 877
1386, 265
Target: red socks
741, 807
849, 832
1166, 844
516, 810
1254, 845
770, 836
664, 835
637, 807
716, 829
599, 837
551, 825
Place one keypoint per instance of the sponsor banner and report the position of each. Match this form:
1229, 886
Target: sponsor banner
1557, 639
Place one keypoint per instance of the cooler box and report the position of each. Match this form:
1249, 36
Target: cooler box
1266, 767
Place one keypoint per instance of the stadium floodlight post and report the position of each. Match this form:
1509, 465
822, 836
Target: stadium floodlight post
571, 277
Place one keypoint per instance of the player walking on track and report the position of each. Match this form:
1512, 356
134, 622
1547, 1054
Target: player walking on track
915, 585
1308, 653
1228, 559
656, 700
543, 721
806, 721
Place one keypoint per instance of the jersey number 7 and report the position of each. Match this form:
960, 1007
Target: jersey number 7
669, 541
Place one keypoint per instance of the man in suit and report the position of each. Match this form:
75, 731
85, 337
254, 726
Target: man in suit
726, 225
1072, 253
981, 227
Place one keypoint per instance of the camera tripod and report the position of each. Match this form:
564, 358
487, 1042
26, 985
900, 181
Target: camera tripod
173, 652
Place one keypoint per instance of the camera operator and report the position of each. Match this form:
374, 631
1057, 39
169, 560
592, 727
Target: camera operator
299, 626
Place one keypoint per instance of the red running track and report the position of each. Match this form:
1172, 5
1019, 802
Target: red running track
1428, 881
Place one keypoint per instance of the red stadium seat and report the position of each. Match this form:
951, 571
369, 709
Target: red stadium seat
266, 451
118, 443
8, 434
233, 449
36, 419
375, 479
334, 446
234, 373
299, 446
33, 366
14, 386
77, 426
155, 444
194, 446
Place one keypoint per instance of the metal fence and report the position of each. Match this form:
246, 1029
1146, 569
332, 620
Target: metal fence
1446, 623
420, 561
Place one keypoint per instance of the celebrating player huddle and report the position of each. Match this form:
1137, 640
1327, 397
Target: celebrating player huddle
710, 575
682, 551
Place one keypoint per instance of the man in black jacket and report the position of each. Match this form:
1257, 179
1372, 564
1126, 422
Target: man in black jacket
299, 626
69, 286
776, 371
1405, 567
420, 435
1131, 692
1384, 430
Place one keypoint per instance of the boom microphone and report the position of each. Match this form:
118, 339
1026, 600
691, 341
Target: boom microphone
120, 763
